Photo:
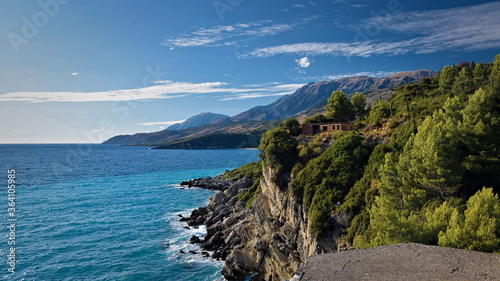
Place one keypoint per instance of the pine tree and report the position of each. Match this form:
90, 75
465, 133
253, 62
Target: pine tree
464, 83
339, 107
447, 78
495, 75
481, 74
479, 227
358, 101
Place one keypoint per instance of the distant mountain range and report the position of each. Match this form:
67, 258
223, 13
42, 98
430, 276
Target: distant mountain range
309, 96
313, 93
201, 119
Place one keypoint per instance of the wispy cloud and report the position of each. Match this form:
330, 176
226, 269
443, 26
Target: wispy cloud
461, 29
351, 74
230, 34
74, 73
161, 123
162, 90
264, 90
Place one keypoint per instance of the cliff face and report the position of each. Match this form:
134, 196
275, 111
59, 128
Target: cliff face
271, 240
278, 240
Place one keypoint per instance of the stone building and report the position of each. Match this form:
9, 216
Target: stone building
317, 128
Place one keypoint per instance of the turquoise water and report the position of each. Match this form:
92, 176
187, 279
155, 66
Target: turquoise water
100, 212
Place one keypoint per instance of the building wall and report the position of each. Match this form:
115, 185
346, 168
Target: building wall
317, 128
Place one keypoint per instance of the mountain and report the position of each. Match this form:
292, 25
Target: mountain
313, 93
201, 119
310, 95
170, 136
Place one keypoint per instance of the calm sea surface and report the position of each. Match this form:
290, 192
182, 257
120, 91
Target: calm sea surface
104, 212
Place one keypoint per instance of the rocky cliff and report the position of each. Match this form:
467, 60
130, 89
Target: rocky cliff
270, 241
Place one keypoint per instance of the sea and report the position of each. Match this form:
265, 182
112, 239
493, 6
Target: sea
104, 212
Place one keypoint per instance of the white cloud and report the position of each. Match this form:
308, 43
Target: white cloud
352, 74
461, 29
162, 90
161, 123
230, 34
303, 62
253, 95
74, 73
264, 90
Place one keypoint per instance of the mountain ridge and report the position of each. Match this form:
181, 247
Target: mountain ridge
201, 119
287, 106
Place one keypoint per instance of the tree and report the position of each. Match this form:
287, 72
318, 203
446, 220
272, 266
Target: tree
495, 75
358, 101
279, 149
279, 152
380, 111
464, 83
478, 228
447, 78
430, 163
292, 125
339, 107
481, 74
318, 118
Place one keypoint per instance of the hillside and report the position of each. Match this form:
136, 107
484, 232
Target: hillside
201, 119
319, 92
432, 178
165, 136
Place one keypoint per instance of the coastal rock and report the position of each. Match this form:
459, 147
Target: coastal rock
269, 241
195, 240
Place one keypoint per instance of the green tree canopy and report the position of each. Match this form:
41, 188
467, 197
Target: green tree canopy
339, 107
358, 101
478, 228
292, 125
379, 111
318, 118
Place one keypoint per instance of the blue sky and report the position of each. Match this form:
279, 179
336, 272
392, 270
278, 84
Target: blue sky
83, 71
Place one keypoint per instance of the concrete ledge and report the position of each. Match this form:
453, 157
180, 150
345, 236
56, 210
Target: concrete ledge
404, 261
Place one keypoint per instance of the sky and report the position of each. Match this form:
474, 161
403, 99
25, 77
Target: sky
84, 71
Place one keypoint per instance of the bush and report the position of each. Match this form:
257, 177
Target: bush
279, 151
319, 118
327, 178
292, 125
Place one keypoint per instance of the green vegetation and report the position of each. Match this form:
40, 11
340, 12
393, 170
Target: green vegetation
435, 181
339, 107
279, 151
292, 125
318, 118
380, 111
252, 171
327, 179
219, 141
427, 175
358, 101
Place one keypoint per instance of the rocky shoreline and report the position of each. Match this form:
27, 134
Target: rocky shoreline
269, 241
223, 218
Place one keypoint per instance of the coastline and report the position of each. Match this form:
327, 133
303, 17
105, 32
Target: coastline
223, 217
